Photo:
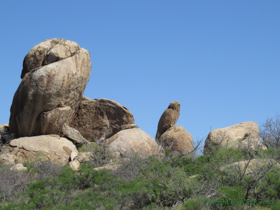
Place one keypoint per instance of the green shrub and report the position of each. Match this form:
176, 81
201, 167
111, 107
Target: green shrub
181, 162
235, 195
88, 147
192, 169
194, 204
276, 206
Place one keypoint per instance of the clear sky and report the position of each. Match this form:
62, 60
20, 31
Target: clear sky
219, 59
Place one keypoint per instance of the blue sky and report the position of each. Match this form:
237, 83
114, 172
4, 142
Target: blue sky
219, 59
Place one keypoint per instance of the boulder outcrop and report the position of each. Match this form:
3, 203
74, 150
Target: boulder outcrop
177, 139
39, 148
99, 119
243, 135
136, 140
54, 76
168, 118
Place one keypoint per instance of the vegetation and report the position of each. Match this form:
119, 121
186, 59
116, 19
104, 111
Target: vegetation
171, 182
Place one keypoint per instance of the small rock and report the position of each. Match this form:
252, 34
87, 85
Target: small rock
109, 166
84, 157
74, 165
74, 135
18, 167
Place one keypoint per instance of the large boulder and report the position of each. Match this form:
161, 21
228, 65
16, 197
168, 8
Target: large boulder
125, 142
168, 118
99, 119
243, 135
46, 147
177, 139
54, 76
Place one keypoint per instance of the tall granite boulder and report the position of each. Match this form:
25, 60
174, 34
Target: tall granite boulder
54, 76
243, 135
177, 139
168, 118
99, 119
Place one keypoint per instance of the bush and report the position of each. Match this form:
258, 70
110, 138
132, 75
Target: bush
194, 204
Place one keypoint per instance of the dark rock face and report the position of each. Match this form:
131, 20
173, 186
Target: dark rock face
55, 74
99, 119
168, 118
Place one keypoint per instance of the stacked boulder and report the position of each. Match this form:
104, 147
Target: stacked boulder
54, 76
171, 136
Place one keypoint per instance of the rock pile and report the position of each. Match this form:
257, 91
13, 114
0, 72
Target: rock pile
50, 118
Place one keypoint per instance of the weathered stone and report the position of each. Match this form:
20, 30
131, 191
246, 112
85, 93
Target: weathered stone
4, 128
99, 119
55, 73
129, 126
136, 140
168, 118
253, 166
84, 157
45, 147
109, 166
74, 135
18, 167
177, 139
4, 134
7, 159
243, 135
75, 165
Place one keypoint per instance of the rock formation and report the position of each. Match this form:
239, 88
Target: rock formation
46, 147
168, 118
99, 119
54, 76
243, 135
177, 139
136, 140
